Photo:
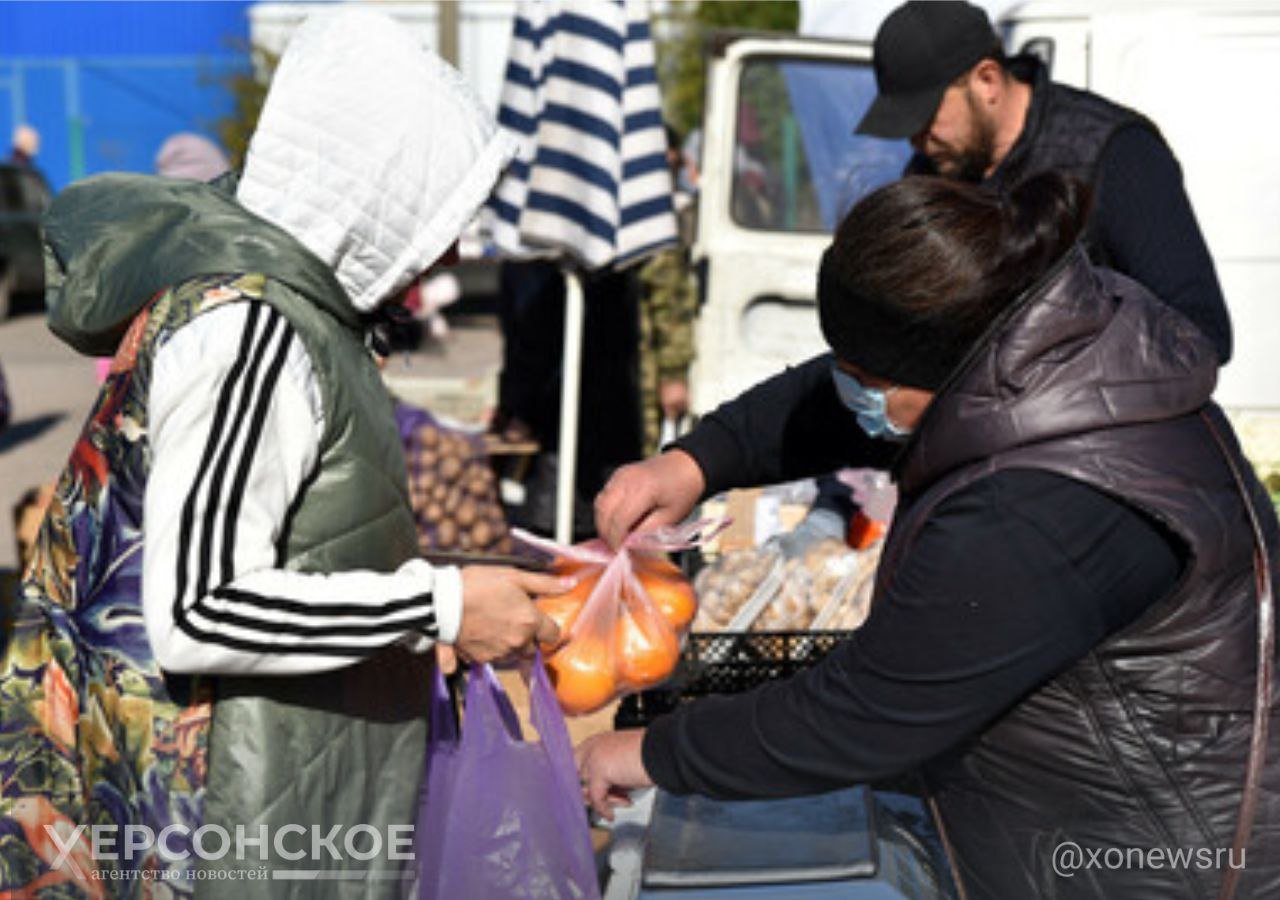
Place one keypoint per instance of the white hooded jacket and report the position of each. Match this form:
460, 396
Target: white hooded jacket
374, 154
371, 151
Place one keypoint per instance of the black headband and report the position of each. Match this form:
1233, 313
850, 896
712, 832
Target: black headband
883, 340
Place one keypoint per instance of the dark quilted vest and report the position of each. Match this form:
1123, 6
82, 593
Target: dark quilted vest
1066, 130
1143, 742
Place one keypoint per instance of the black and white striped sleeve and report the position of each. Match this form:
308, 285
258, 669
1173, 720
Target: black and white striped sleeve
235, 423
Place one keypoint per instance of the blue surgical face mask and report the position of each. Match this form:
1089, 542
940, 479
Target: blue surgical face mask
868, 405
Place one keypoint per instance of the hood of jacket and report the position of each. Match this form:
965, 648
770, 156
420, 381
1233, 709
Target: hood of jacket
1082, 350
113, 241
371, 150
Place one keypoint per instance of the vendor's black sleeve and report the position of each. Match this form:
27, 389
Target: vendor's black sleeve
1010, 581
791, 426
1144, 222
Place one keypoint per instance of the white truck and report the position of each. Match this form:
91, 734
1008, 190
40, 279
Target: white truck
780, 164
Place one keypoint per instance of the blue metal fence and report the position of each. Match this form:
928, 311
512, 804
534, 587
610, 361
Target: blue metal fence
106, 83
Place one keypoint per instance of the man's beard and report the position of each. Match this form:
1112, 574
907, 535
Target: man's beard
972, 162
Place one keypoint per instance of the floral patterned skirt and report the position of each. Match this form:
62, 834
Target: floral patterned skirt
88, 740
94, 737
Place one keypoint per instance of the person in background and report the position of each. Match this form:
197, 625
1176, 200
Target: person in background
25, 147
668, 307
691, 154
1066, 626
190, 155
6, 410
226, 617
531, 316
531, 308
970, 113
182, 155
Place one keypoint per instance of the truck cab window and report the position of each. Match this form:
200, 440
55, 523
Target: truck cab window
798, 166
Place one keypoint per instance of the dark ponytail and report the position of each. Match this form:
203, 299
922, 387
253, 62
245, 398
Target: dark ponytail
920, 268
1043, 217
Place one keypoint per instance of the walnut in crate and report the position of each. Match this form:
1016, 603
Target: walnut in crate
810, 583
855, 607
791, 609
827, 562
724, 587
854, 604
452, 490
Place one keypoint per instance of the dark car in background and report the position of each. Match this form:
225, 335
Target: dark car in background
24, 196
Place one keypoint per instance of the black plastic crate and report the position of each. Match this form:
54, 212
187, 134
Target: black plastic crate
728, 663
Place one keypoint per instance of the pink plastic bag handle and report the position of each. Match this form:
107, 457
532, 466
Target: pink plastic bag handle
666, 539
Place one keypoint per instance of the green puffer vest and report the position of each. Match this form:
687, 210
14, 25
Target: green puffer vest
313, 752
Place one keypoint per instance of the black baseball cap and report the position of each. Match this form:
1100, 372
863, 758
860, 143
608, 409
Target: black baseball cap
921, 48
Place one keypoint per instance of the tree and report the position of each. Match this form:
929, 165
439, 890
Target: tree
682, 34
248, 92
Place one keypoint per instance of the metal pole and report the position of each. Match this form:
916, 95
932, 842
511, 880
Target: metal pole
8, 84
447, 29
75, 119
574, 312
790, 170
19, 96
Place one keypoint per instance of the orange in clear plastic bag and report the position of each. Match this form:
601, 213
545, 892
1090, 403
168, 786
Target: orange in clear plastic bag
655, 564
674, 599
622, 622
667, 587
582, 672
647, 646
563, 610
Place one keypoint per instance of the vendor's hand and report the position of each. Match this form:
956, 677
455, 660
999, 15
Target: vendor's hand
659, 491
609, 767
499, 618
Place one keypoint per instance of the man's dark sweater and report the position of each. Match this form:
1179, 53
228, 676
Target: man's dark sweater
1014, 578
1143, 218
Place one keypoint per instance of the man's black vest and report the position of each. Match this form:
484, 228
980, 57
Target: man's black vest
1066, 130
1141, 746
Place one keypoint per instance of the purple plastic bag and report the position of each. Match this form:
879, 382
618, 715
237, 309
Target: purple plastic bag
498, 816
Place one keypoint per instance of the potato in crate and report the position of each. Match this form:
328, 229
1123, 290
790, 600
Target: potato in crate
452, 488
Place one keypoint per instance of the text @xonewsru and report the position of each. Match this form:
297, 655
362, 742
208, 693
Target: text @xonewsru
88, 847
1070, 857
